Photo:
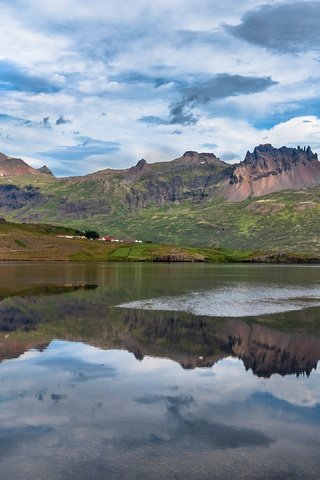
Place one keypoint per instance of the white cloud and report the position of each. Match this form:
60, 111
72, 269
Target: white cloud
91, 52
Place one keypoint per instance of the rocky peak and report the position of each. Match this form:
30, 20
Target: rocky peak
141, 164
268, 169
138, 169
284, 156
46, 170
190, 153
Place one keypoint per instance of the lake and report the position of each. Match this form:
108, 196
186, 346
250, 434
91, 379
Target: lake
159, 371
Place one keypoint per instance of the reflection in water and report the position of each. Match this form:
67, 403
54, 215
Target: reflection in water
75, 411
201, 342
235, 301
39, 290
127, 393
187, 339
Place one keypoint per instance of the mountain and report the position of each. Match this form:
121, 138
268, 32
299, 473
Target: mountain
191, 176
267, 170
196, 199
15, 167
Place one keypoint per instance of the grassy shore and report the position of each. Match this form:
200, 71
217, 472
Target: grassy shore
36, 242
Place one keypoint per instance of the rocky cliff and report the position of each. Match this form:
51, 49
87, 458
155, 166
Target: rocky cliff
193, 176
268, 169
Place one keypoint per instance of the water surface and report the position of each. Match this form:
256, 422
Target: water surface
159, 371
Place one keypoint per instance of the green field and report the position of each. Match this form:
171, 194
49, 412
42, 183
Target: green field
35, 242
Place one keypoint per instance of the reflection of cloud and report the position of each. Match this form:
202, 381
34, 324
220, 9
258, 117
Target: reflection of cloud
223, 436
160, 423
80, 369
202, 430
174, 403
13, 437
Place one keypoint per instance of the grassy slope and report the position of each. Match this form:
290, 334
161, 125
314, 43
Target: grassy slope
274, 222
40, 243
252, 224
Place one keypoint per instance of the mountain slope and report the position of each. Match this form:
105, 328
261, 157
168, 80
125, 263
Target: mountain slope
195, 199
15, 167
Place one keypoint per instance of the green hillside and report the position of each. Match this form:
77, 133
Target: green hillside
286, 220
181, 202
41, 242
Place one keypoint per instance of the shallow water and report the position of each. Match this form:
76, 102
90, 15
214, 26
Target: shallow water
235, 301
208, 371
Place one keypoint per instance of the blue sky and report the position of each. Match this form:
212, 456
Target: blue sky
91, 85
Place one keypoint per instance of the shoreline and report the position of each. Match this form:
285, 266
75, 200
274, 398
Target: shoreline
252, 261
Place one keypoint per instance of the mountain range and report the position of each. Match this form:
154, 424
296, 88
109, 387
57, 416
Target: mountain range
269, 200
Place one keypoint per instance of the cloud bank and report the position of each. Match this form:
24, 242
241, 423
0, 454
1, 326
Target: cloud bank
85, 87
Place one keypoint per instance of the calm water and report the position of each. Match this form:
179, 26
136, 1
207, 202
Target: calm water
159, 371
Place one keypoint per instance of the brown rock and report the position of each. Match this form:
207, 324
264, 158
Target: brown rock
268, 169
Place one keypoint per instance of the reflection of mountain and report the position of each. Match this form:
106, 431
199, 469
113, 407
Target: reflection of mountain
192, 341
39, 290
266, 351
9, 350
201, 341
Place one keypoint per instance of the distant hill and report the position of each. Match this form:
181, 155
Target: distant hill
270, 200
15, 167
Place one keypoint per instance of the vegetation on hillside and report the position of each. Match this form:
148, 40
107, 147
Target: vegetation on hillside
288, 220
46, 242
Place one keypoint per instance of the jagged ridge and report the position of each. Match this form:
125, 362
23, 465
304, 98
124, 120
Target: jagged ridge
268, 169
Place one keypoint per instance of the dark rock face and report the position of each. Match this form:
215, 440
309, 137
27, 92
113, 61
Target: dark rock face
81, 209
283, 159
281, 257
139, 169
13, 198
194, 176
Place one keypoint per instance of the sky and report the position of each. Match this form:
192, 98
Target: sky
87, 85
